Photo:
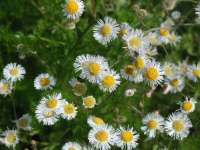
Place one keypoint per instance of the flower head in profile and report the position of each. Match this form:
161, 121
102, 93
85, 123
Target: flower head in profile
24, 122
71, 146
94, 121
188, 105
10, 138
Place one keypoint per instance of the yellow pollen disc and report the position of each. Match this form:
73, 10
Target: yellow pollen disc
178, 125
151, 73
135, 42
11, 137
69, 108
127, 136
98, 120
94, 68
175, 82
108, 81
44, 81
164, 31
196, 72
14, 71
52, 103
101, 136
89, 101
129, 69
187, 106
49, 114
106, 30
139, 62
71, 7
5, 87
23, 123
152, 124
71, 148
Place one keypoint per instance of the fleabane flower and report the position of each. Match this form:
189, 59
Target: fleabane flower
68, 110
174, 38
125, 28
127, 138
153, 38
183, 68
188, 105
140, 61
91, 67
5, 87
24, 122
44, 81
153, 73
79, 88
89, 102
94, 121
109, 81
177, 125
164, 34
102, 137
14, 72
152, 123
73, 9
169, 70
194, 72
71, 146
9, 138
105, 30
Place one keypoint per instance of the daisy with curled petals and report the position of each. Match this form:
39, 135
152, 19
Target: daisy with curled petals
194, 72
73, 9
5, 87
109, 81
106, 30
68, 110
136, 42
188, 105
197, 10
102, 137
44, 81
9, 138
177, 125
24, 122
14, 72
90, 66
71, 146
152, 122
153, 73
89, 102
164, 34
94, 121
127, 138
124, 29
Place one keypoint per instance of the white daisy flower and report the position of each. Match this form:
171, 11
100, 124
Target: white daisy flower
89, 102
24, 122
10, 138
188, 105
106, 30
68, 110
153, 73
153, 38
5, 87
102, 137
73, 9
164, 34
197, 10
169, 70
136, 42
44, 81
127, 138
79, 88
140, 61
177, 125
94, 121
125, 28
151, 52
109, 81
71, 146
14, 72
153, 122
194, 72
174, 39
129, 92
183, 68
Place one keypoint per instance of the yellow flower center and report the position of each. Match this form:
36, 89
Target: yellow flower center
178, 125
14, 71
49, 114
129, 69
108, 81
126, 136
69, 108
175, 82
135, 42
52, 103
152, 124
106, 30
23, 123
94, 68
44, 81
101, 136
71, 148
164, 31
151, 73
98, 121
139, 62
89, 101
11, 137
5, 87
187, 106
196, 72
71, 7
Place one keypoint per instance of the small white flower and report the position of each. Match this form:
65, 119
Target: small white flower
129, 92
169, 70
71, 146
194, 72
44, 81
125, 28
89, 102
94, 121
10, 138
153, 38
183, 68
176, 15
188, 105
153, 122
24, 122
129, 72
177, 125
164, 34
5, 87
106, 30
68, 110
14, 72
174, 39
